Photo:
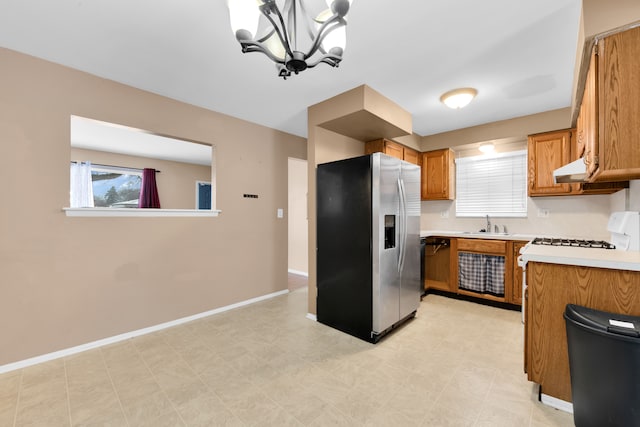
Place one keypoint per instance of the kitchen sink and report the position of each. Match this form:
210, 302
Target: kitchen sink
485, 234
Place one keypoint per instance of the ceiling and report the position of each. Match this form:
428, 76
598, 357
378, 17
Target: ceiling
518, 54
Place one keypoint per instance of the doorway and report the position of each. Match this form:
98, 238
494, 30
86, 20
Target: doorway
298, 262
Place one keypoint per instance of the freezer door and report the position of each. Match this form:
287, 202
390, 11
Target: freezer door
387, 228
344, 271
410, 287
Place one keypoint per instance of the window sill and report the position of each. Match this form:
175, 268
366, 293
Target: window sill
133, 212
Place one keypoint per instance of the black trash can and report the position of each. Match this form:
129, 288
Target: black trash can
604, 362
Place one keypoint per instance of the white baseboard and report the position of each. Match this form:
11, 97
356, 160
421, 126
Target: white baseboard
299, 273
111, 340
312, 317
554, 402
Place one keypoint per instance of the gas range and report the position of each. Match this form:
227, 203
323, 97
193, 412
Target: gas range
625, 236
578, 243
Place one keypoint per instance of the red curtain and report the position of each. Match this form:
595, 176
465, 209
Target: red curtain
149, 197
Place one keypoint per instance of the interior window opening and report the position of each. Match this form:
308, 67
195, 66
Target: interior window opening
112, 165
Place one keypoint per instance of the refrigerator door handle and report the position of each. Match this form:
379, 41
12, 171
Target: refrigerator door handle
400, 218
403, 225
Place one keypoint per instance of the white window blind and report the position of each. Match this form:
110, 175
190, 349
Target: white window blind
495, 185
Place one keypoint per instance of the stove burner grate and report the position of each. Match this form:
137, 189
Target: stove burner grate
578, 243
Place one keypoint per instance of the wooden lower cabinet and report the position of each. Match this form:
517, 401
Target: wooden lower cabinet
437, 263
486, 247
516, 282
441, 267
550, 287
525, 308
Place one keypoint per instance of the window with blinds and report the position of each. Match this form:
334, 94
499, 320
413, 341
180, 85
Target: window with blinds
495, 185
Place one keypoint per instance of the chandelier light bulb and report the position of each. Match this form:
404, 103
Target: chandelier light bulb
334, 39
244, 16
274, 45
458, 98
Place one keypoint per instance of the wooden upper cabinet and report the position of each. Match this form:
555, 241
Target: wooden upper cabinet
392, 149
547, 152
587, 124
609, 115
582, 143
411, 156
438, 175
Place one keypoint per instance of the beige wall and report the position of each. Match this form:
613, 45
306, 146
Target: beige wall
297, 217
68, 281
176, 180
414, 141
600, 16
504, 131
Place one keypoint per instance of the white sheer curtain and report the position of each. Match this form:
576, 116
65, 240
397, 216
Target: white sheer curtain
81, 189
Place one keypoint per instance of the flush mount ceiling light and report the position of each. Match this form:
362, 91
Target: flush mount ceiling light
487, 148
282, 28
458, 98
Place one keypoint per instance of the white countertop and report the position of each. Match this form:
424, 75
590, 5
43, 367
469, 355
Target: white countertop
478, 235
587, 257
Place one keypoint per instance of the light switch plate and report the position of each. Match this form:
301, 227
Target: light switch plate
444, 214
543, 213
280, 213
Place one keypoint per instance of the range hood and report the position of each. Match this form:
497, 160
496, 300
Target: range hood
575, 171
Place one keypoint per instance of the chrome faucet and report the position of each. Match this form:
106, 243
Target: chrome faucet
496, 228
488, 225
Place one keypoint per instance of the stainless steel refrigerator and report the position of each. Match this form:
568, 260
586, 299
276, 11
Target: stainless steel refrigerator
368, 244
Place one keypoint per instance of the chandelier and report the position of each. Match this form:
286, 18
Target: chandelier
282, 28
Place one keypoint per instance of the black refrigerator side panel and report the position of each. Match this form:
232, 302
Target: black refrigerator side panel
344, 274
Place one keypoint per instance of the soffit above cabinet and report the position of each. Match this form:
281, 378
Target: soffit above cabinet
364, 126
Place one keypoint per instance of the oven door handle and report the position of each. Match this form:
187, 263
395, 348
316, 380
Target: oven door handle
525, 291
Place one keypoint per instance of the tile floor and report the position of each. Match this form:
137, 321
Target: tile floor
456, 364
297, 281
